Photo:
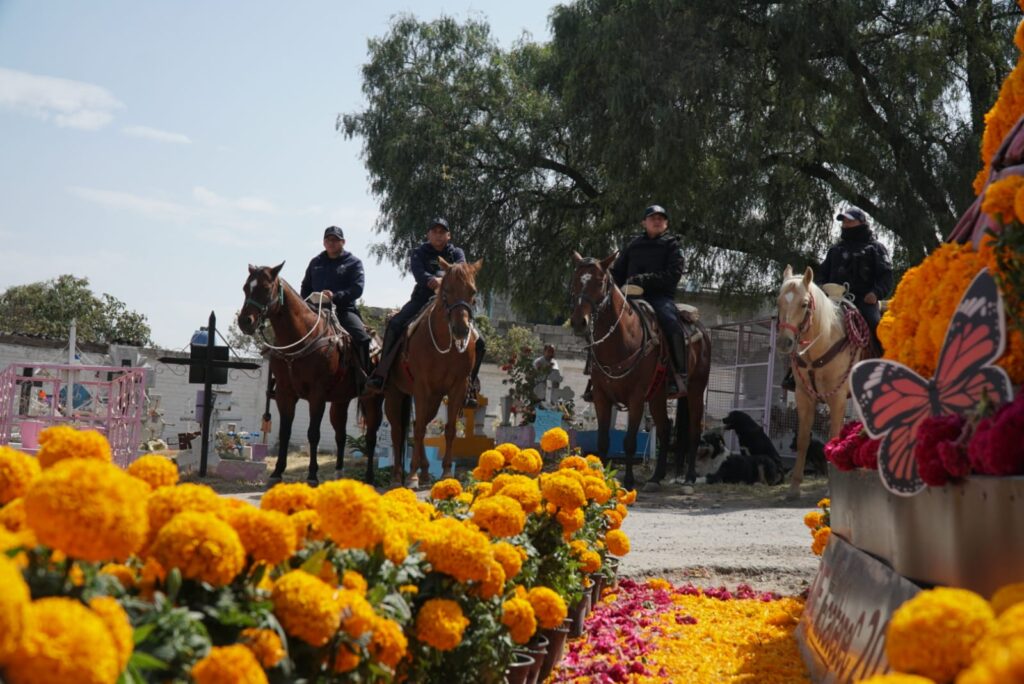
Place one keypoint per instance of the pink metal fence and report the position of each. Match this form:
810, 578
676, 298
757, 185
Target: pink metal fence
109, 399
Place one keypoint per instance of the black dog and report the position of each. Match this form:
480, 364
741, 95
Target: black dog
747, 468
815, 455
752, 437
711, 453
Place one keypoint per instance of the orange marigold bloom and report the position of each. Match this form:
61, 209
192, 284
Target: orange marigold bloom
59, 442
12, 516
508, 450
307, 527
440, 624
821, 537
813, 519
124, 574
554, 439
528, 461
202, 546
548, 606
265, 644
509, 557
445, 489
166, 502
17, 471
268, 536
517, 614
306, 606
14, 603
574, 462
1007, 596
618, 542
223, 664
500, 515
562, 490
388, 645
116, 620
351, 514
354, 581
999, 198
289, 498
155, 470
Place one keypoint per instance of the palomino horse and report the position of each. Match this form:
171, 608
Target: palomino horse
437, 361
311, 361
629, 367
822, 353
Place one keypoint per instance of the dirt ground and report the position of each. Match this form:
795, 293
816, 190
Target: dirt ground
710, 535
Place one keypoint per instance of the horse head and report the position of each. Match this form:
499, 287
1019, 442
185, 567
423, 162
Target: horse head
589, 289
803, 308
264, 294
458, 295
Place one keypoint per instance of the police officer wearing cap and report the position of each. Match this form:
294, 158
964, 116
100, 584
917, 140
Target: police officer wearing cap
426, 271
654, 261
339, 274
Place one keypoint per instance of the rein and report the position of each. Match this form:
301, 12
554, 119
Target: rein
460, 345
598, 308
856, 333
272, 306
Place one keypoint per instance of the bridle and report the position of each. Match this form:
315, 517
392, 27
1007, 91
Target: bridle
265, 307
805, 324
272, 305
596, 307
460, 345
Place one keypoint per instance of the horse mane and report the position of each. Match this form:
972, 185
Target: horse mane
462, 272
826, 313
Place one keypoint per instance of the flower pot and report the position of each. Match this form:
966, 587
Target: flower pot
519, 671
556, 647
595, 590
578, 614
537, 649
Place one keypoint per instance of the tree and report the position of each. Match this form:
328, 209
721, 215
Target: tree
750, 121
240, 342
47, 308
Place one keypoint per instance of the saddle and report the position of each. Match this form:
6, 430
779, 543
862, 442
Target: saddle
420, 317
688, 315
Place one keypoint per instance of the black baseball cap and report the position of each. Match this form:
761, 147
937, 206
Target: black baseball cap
439, 221
334, 231
853, 214
655, 209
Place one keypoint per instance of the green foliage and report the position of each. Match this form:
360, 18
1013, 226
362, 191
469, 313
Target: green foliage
47, 308
749, 121
1009, 250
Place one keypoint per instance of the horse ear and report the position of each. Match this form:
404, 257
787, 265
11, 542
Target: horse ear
607, 262
277, 269
477, 265
252, 269
443, 264
576, 258
808, 276
788, 273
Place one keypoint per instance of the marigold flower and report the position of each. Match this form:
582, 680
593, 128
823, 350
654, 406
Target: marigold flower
455, 549
202, 546
345, 659
618, 542
509, 558
482, 489
289, 498
614, 519
571, 520
998, 201
562, 490
351, 514
306, 606
354, 581
116, 620
1007, 596
500, 515
233, 664
265, 644
528, 461
17, 471
167, 502
590, 561
594, 461
1004, 665
105, 520
445, 489
896, 678
821, 537
597, 489
155, 470
388, 645
554, 439
933, 633
14, 602
59, 442
517, 614
440, 624
307, 527
1008, 628
124, 574
629, 498
12, 516
66, 642
548, 606
574, 463
814, 520
491, 460
824, 503
268, 536
508, 450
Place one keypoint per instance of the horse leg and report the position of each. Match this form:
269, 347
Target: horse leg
681, 437
636, 412
397, 413
694, 404
603, 410
372, 413
836, 413
339, 421
286, 410
316, 414
425, 412
805, 419
659, 411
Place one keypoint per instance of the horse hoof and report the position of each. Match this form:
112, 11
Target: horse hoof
793, 493
274, 480
313, 482
651, 486
413, 483
687, 489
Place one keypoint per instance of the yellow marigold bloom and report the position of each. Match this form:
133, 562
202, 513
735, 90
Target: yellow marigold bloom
124, 574
88, 509
410, 589
571, 520
167, 502
933, 633
63, 441
998, 201
14, 602
594, 461
491, 460
17, 471
494, 585
268, 536
455, 549
116, 620
618, 542
509, 558
590, 561
396, 543
289, 498
265, 644
554, 439
562, 490
307, 527
528, 461
629, 498
482, 489
357, 616
508, 450
597, 489
575, 463
821, 537
354, 581
896, 678
614, 519
465, 498
1008, 627
12, 516
351, 514
517, 615
522, 488
202, 546
814, 519
500, 515
445, 489
548, 606
622, 510
824, 503
1003, 666
158, 471
306, 606
233, 664
66, 642
440, 624
659, 583
1006, 596
388, 645
345, 659
481, 474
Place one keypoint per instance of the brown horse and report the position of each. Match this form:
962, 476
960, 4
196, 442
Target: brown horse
629, 367
310, 361
436, 361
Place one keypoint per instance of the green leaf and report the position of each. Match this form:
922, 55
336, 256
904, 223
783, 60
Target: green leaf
144, 661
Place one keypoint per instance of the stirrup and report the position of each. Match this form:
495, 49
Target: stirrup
677, 386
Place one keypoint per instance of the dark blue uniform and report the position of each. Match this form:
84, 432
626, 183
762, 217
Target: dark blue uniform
861, 262
424, 264
345, 279
656, 265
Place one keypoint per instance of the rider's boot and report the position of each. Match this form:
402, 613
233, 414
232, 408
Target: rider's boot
472, 393
362, 352
375, 383
588, 393
677, 353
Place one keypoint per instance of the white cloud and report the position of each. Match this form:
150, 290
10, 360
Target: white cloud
71, 104
212, 199
156, 134
155, 208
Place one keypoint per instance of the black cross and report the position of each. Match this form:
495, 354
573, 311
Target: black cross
208, 366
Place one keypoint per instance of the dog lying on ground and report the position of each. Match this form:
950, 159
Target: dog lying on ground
815, 455
711, 453
752, 437
715, 463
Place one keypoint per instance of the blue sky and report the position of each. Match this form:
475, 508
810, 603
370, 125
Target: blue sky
157, 148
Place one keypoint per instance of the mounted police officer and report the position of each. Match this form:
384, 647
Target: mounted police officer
654, 261
426, 271
339, 274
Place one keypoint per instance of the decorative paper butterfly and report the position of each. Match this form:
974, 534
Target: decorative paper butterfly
893, 400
